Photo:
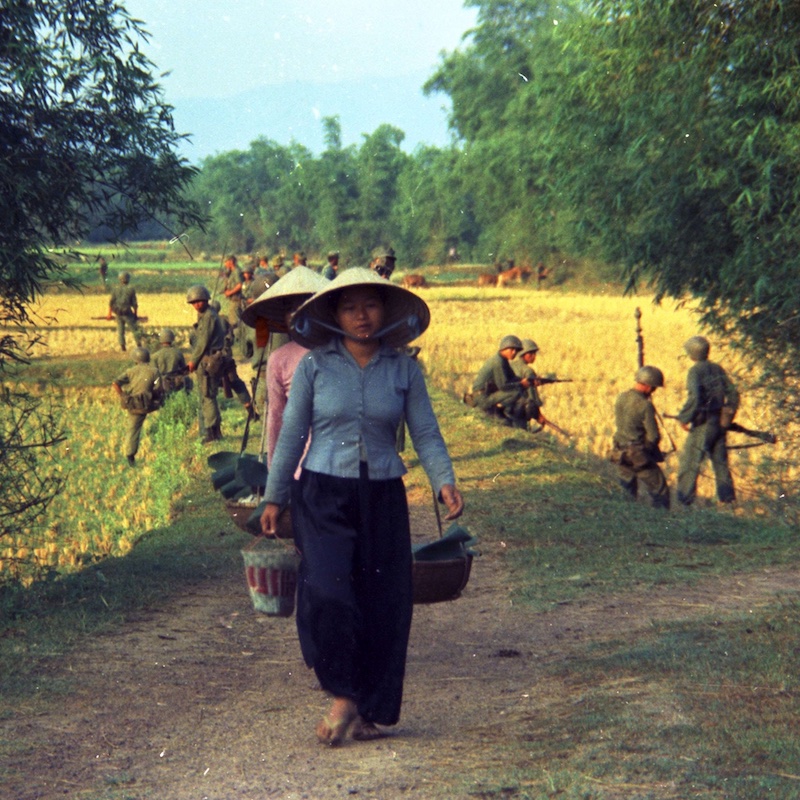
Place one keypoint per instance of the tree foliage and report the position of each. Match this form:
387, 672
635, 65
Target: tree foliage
85, 139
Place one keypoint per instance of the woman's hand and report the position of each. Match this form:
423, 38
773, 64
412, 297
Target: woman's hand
269, 519
452, 498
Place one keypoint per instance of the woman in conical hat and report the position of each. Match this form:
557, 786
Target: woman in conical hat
349, 510
276, 306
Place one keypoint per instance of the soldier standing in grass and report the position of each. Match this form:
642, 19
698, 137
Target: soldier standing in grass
207, 359
141, 394
229, 376
636, 441
710, 407
169, 361
125, 307
331, 269
234, 283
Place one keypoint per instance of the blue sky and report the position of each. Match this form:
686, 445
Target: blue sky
221, 49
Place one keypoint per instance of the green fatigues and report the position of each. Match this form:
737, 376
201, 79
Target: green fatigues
209, 339
497, 391
140, 379
124, 305
709, 389
523, 370
169, 361
233, 279
636, 451
230, 376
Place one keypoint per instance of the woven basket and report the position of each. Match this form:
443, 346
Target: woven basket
240, 514
436, 581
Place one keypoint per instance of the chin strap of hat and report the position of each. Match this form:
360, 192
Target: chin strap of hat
303, 323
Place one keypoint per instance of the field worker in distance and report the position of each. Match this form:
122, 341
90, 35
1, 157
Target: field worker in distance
171, 364
228, 375
277, 305
125, 307
139, 391
207, 359
522, 365
331, 269
498, 391
636, 441
232, 289
383, 261
349, 508
709, 409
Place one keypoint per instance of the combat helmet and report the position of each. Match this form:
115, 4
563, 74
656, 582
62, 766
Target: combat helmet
697, 347
510, 341
124, 277
528, 346
167, 336
141, 355
197, 293
650, 376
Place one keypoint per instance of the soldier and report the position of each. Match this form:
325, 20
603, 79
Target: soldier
231, 382
331, 269
383, 261
169, 361
636, 440
523, 368
124, 305
232, 289
499, 392
141, 395
207, 359
102, 266
710, 407
299, 259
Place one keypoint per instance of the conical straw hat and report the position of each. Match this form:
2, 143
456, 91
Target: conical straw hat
406, 314
283, 295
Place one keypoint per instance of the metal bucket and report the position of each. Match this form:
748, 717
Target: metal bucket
271, 573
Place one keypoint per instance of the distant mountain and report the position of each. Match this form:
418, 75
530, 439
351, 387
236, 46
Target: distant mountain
295, 111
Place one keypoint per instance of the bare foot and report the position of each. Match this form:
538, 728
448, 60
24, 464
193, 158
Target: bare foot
332, 728
363, 731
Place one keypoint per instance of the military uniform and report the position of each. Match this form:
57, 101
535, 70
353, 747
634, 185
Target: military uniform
207, 355
709, 390
124, 305
169, 361
141, 382
636, 447
233, 279
524, 370
497, 390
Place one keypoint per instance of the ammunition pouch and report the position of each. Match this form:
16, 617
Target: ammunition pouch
173, 382
142, 403
215, 363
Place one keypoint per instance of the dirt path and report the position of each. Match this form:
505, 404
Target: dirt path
207, 699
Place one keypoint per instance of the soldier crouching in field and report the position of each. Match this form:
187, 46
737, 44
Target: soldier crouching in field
141, 395
636, 442
501, 393
124, 306
169, 361
207, 359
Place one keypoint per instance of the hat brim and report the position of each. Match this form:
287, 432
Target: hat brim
406, 315
283, 296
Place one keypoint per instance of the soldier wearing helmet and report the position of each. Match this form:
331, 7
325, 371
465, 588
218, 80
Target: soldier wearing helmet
711, 403
124, 306
207, 359
139, 390
523, 367
636, 441
331, 269
499, 391
171, 364
383, 261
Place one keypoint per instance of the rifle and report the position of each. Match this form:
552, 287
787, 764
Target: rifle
548, 381
106, 319
546, 423
764, 436
640, 362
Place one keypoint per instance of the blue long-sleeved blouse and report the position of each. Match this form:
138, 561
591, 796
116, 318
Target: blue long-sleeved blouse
353, 413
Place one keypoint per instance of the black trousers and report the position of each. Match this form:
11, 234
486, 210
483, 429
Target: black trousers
354, 597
